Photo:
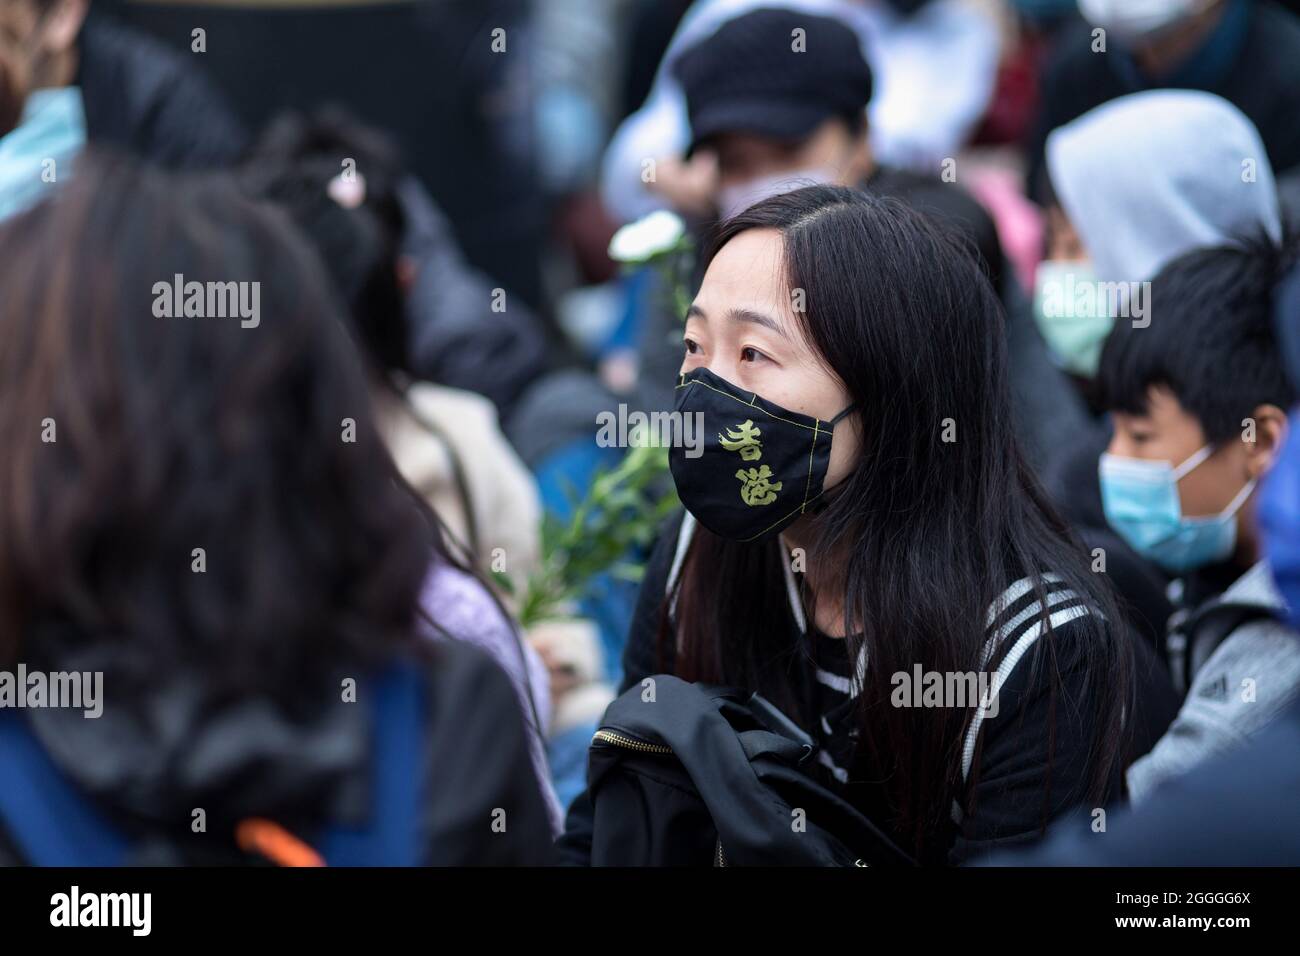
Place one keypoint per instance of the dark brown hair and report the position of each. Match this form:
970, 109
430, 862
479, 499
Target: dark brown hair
255, 444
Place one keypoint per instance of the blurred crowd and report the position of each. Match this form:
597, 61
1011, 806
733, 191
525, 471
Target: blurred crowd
367, 582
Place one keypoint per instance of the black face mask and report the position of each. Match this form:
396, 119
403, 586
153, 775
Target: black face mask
762, 466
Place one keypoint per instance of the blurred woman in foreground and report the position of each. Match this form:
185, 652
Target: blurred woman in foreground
199, 507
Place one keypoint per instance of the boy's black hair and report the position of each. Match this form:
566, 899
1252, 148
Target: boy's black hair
1210, 338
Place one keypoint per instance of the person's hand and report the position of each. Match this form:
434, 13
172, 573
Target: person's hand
691, 185
570, 650
563, 676
619, 370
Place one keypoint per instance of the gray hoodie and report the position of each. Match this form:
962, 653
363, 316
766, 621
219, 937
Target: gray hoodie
1239, 683
1150, 176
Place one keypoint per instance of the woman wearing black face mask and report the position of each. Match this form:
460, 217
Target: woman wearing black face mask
863, 543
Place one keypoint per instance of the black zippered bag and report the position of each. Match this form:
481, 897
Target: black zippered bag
697, 774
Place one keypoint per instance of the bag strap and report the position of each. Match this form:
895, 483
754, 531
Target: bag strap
685, 532
1207, 629
391, 836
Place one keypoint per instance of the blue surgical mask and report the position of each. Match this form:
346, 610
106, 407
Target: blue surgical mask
1142, 505
1279, 522
1072, 317
37, 153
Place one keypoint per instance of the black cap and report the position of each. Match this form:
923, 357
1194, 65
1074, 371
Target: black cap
751, 76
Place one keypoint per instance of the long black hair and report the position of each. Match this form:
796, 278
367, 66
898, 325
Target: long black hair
925, 533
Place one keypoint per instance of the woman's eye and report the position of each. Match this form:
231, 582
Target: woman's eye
749, 354
691, 347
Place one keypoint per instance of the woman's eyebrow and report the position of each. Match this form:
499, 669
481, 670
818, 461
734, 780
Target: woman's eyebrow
758, 318
741, 315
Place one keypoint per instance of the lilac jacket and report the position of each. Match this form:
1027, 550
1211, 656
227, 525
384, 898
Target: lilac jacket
463, 608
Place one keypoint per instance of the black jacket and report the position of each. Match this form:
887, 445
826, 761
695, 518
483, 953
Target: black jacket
1262, 79
459, 336
1237, 810
1008, 800
145, 767
145, 99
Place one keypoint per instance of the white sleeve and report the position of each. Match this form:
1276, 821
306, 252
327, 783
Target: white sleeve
935, 73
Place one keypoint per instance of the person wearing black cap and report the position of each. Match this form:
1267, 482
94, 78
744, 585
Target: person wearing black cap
779, 97
935, 64
774, 94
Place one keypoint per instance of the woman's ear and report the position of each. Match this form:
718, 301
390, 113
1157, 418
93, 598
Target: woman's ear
1262, 435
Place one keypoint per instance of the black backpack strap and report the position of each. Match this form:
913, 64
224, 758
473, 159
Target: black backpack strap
1207, 628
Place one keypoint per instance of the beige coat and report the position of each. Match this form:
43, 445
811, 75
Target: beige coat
423, 432
507, 511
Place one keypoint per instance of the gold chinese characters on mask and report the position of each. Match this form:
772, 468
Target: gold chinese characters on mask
756, 485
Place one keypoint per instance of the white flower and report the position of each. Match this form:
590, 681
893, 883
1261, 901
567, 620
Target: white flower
646, 238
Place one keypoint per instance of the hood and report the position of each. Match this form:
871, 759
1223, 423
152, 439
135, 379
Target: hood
1148, 177
156, 757
1255, 588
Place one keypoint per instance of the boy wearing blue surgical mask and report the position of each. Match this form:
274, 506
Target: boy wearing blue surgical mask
1198, 398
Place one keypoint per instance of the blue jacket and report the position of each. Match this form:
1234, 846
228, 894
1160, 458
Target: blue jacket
1236, 810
